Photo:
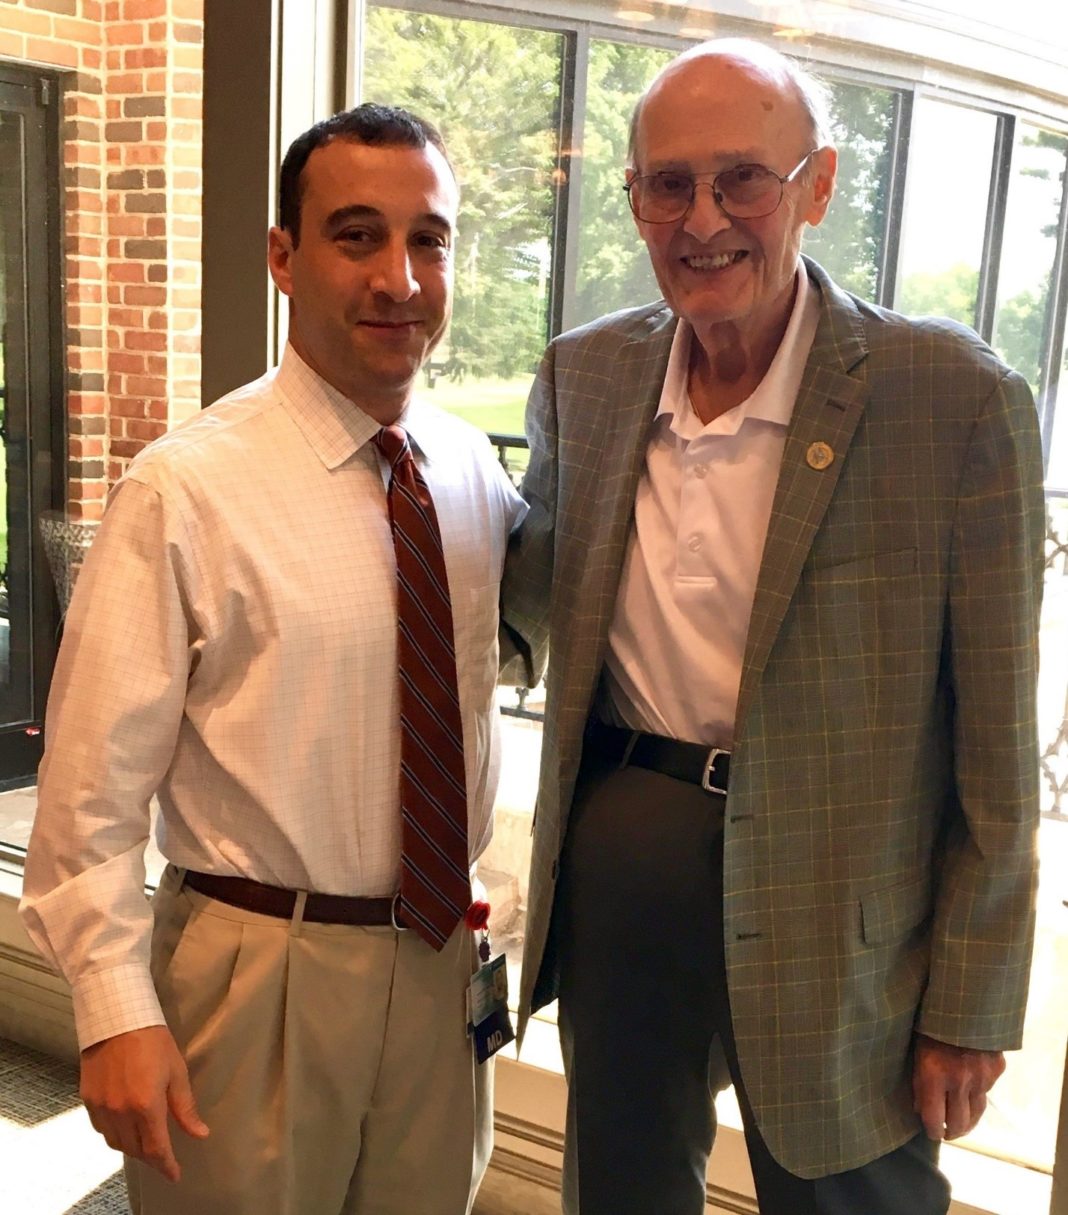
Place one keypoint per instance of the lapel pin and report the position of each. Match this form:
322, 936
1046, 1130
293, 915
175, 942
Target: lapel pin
819, 456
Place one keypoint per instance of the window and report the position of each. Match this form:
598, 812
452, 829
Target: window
1057, 474
613, 270
1028, 250
494, 90
29, 389
850, 243
951, 154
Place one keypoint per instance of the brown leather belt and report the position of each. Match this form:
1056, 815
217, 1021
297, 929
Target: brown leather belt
709, 767
277, 901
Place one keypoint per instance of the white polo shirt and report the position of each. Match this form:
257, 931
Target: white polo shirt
700, 520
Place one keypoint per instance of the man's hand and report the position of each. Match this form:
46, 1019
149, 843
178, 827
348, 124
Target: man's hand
950, 1084
129, 1083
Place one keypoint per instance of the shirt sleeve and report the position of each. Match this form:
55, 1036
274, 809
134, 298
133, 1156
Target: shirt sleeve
113, 716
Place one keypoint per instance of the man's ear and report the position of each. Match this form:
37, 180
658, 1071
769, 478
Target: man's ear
279, 258
629, 174
824, 170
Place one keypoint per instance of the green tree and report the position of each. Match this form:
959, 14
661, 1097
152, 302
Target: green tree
494, 91
1020, 318
848, 244
613, 268
951, 292
1020, 324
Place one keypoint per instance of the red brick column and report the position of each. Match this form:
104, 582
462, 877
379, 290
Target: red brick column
132, 183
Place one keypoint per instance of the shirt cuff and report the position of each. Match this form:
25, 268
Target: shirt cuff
114, 1001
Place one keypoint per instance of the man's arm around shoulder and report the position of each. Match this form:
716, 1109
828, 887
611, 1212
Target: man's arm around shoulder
528, 570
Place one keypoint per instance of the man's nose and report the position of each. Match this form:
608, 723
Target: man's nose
393, 273
706, 216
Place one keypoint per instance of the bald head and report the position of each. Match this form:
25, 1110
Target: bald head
732, 129
742, 67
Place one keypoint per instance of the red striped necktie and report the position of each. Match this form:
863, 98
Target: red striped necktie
435, 886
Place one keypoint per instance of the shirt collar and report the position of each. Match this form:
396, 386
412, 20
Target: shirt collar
773, 398
334, 427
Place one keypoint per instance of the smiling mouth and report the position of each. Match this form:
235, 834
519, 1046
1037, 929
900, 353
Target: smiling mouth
714, 261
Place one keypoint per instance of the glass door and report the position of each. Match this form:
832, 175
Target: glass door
30, 397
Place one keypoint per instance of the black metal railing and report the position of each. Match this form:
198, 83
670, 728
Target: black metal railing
513, 465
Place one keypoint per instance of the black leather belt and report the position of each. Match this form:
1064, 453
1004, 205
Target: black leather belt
277, 901
708, 767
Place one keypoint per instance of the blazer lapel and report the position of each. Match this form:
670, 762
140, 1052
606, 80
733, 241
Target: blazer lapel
829, 405
610, 487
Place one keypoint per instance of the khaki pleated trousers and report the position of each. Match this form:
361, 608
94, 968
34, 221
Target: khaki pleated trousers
330, 1062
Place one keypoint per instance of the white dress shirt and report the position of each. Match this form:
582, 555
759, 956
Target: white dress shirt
231, 645
700, 519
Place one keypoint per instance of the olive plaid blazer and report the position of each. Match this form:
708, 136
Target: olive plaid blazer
879, 867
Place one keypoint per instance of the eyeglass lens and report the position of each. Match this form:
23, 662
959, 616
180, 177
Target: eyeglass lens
746, 191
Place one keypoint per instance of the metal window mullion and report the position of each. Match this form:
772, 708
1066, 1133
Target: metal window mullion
986, 300
568, 217
1053, 329
890, 253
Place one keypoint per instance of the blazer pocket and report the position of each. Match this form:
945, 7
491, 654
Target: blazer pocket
898, 563
891, 913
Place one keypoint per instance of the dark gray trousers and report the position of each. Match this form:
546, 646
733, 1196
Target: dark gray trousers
645, 1022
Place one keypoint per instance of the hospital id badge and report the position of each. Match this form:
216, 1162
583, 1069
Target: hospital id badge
487, 1004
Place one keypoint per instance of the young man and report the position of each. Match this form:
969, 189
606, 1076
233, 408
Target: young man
287, 630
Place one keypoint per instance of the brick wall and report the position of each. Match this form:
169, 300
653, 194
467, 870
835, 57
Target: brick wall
132, 185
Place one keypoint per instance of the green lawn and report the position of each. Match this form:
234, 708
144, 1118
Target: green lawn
490, 404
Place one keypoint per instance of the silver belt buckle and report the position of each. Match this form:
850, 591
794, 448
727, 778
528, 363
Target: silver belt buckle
394, 907
706, 775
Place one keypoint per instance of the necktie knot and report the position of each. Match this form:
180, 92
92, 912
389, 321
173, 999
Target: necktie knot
392, 442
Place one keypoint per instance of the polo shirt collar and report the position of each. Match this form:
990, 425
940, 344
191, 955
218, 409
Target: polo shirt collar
773, 398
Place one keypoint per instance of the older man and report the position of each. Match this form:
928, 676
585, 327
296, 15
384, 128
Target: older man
789, 782
288, 628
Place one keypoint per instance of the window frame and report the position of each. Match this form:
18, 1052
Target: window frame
37, 93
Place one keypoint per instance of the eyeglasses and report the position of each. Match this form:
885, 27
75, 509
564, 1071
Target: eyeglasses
744, 192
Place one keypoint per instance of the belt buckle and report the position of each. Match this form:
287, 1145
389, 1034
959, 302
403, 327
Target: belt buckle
706, 775
393, 909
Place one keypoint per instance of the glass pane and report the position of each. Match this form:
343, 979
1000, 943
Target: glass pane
848, 244
1057, 470
15, 624
613, 269
12, 365
1029, 247
951, 155
1054, 398
504, 867
494, 91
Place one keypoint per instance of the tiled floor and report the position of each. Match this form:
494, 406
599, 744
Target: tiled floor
54, 1163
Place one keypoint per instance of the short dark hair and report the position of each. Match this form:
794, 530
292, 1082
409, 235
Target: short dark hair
370, 123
